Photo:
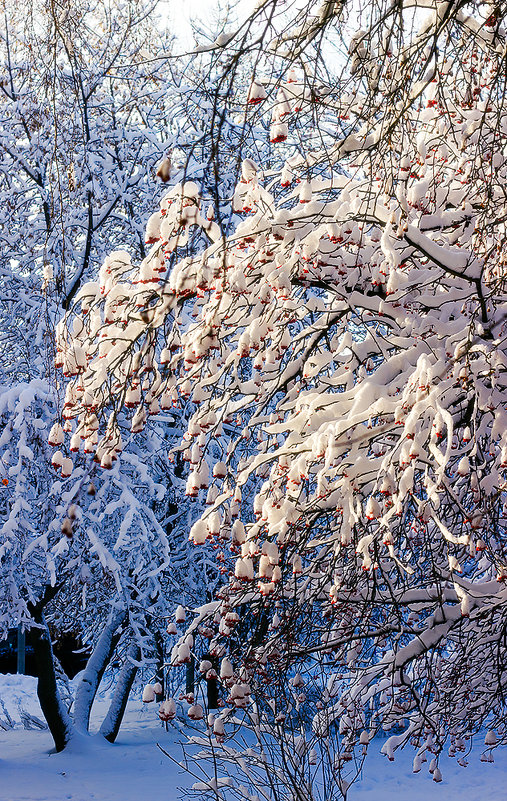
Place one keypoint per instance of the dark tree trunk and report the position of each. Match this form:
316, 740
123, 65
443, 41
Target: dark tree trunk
51, 704
211, 684
159, 675
212, 693
97, 663
190, 676
112, 722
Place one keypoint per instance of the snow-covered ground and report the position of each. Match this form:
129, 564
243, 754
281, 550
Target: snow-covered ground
134, 769
91, 769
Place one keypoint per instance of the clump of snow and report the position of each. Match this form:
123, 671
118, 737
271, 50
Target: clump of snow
18, 694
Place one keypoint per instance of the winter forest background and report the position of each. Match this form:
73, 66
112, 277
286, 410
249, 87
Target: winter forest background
253, 372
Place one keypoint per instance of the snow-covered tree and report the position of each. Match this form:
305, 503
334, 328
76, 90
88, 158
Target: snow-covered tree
89, 105
89, 102
85, 551
344, 350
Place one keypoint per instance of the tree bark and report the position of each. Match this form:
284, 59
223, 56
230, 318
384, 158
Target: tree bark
211, 684
190, 676
50, 701
212, 693
159, 675
96, 665
112, 722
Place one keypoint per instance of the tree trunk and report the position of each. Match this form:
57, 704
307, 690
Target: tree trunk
211, 684
212, 693
96, 665
51, 704
112, 722
190, 676
159, 675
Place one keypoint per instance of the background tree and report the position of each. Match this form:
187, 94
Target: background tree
89, 105
92, 558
